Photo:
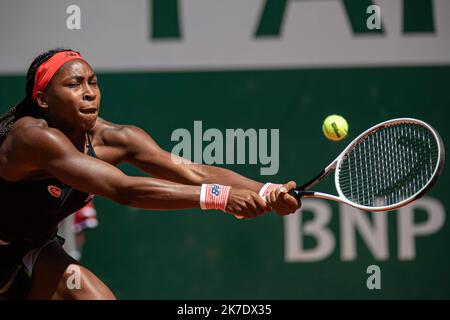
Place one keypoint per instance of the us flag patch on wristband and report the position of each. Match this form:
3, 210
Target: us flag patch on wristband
214, 196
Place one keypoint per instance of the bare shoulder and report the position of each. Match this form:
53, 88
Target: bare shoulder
114, 135
25, 131
26, 122
30, 133
28, 141
115, 143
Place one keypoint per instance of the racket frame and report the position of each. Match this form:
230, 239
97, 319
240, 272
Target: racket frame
302, 191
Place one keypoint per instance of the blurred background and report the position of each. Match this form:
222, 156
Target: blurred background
256, 64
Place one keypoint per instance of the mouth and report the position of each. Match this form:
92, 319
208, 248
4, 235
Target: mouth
89, 111
89, 114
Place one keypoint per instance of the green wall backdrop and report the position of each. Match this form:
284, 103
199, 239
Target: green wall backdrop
210, 255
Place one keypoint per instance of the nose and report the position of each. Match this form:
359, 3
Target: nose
88, 93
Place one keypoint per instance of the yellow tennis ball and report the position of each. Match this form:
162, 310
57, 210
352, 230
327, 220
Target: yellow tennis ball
335, 127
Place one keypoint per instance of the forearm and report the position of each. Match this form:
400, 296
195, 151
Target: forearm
227, 177
157, 194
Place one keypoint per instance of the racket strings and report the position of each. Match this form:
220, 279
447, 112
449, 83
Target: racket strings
389, 165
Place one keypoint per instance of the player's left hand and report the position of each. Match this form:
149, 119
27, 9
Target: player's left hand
281, 202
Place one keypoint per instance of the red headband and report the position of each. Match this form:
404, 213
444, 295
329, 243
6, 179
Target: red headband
47, 70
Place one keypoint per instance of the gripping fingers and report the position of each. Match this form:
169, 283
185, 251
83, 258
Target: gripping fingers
279, 203
255, 206
261, 205
291, 202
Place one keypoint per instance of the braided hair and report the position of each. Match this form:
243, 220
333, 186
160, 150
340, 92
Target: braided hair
26, 107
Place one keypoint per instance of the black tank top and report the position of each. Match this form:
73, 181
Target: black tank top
31, 210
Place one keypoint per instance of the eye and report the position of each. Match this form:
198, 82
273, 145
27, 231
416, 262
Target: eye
93, 83
73, 84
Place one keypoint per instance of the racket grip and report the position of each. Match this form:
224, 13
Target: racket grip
297, 194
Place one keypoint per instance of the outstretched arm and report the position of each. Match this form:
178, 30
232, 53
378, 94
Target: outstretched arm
144, 153
49, 150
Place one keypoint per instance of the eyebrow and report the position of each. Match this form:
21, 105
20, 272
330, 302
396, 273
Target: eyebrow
79, 77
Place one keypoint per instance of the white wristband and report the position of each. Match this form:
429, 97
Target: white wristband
268, 187
202, 196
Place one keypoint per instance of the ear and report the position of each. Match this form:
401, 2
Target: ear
40, 99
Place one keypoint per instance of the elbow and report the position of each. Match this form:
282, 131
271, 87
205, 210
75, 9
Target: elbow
124, 200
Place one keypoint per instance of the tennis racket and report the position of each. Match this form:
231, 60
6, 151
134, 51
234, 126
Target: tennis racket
384, 168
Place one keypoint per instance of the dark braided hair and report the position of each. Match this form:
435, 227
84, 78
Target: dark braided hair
26, 107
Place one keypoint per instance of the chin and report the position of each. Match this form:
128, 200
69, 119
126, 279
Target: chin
89, 125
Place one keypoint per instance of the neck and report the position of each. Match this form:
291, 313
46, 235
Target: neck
78, 138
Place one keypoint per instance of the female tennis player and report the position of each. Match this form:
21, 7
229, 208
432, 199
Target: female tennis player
56, 153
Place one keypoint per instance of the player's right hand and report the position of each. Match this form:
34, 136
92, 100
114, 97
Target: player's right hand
245, 203
281, 202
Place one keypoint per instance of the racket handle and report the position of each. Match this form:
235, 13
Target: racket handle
298, 193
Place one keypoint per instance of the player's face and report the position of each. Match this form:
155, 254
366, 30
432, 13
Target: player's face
73, 97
